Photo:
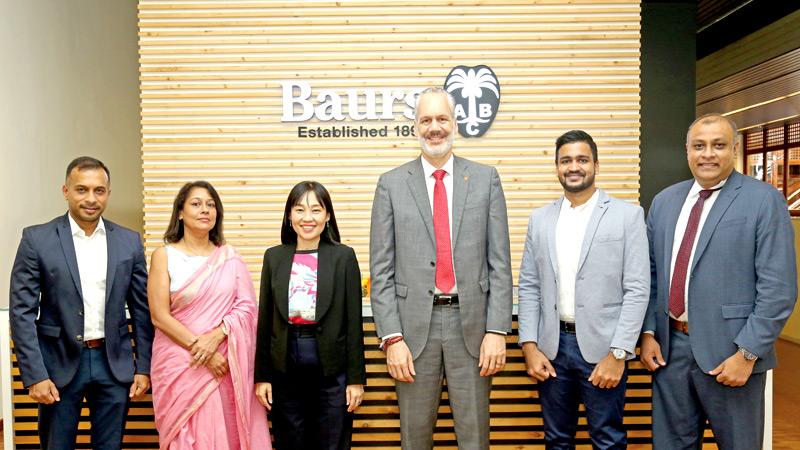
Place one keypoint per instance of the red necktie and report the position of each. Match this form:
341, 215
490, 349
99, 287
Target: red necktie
445, 279
677, 291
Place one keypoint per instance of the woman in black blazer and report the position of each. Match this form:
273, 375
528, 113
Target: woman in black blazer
310, 346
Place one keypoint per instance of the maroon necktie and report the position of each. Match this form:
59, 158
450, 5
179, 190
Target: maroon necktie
677, 290
445, 279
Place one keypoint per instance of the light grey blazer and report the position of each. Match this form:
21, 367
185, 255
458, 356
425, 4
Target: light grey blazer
612, 285
403, 253
743, 278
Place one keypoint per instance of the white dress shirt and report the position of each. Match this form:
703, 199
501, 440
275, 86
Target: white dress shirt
680, 230
92, 255
430, 182
570, 232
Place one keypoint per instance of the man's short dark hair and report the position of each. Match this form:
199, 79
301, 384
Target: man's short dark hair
87, 162
576, 136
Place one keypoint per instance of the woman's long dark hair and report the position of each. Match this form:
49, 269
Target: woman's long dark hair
174, 231
331, 232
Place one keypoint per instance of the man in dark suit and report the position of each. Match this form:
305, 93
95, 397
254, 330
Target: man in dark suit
723, 285
441, 280
70, 282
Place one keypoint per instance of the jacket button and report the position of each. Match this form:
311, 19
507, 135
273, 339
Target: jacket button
433, 263
80, 313
430, 292
79, 337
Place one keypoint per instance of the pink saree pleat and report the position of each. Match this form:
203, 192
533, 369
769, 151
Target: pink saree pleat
188, 403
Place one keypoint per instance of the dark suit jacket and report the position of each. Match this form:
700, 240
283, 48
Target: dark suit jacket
45, 281
743, 279
340, 335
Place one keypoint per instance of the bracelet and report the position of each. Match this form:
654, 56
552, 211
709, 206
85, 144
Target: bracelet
392, 340
224, 329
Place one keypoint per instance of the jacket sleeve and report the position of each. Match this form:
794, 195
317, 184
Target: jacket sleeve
381, 263
263, 363
635, 282
498, 256
24, 308
776, 276
530, 295
356, 371
140, 311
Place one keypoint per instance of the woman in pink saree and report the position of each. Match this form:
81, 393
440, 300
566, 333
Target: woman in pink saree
203, 306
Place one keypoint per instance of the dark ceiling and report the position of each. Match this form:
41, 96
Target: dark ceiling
722, 22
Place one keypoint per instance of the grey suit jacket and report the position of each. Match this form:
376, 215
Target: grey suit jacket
403, 253
743, 278
612, 284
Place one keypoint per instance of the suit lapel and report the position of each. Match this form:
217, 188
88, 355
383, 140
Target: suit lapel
283, 273
726, 195
591, 227
551, 224
68, 247
325, 266
460, 189
111, 257
416, 184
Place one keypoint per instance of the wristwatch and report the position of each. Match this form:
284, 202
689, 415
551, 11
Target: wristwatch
619, 353
748, 355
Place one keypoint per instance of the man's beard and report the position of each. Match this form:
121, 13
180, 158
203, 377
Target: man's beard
588, 181
441, 149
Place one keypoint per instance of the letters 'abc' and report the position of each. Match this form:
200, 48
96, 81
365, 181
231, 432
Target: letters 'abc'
477, 94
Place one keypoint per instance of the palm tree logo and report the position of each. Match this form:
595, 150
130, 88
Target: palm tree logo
477, 89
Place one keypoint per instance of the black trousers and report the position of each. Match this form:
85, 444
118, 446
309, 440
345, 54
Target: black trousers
309, 410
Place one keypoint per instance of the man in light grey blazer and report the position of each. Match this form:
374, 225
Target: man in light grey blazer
724, 282
583, 292
441, 295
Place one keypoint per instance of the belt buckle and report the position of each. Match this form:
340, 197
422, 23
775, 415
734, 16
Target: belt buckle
444, 299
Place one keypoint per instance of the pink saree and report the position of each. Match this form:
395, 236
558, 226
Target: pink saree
193, 409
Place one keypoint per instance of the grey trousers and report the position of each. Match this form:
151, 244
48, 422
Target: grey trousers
445, 357
684, 397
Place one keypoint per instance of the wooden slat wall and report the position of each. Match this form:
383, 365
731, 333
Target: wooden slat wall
516, 421
211, 99
211, 108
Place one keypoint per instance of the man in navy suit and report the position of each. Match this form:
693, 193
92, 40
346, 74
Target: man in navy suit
724, 282
70, 282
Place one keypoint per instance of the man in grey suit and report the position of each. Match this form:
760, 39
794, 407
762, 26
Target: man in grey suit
723, 285
441, 294
583, 291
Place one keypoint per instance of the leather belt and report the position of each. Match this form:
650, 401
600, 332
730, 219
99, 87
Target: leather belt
94, 343
683, 327
566, 327
303, 330
445, 299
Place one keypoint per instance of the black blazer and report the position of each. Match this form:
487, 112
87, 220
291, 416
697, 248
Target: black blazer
340, 334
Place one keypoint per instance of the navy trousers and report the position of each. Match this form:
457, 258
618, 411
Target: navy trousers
561, 397
108, 405
684, 397
309, 410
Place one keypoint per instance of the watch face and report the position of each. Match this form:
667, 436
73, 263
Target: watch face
619, 353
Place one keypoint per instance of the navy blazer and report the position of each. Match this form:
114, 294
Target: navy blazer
46, 304
743, 279
339, 329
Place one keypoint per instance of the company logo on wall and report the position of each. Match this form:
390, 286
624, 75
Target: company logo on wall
475, 89
477, 94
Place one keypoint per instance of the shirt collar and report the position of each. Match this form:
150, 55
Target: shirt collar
696, 188
590, 204
76, 230
428, 169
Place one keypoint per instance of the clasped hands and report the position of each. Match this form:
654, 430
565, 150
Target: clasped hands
733, 372
204, 352
606, 374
